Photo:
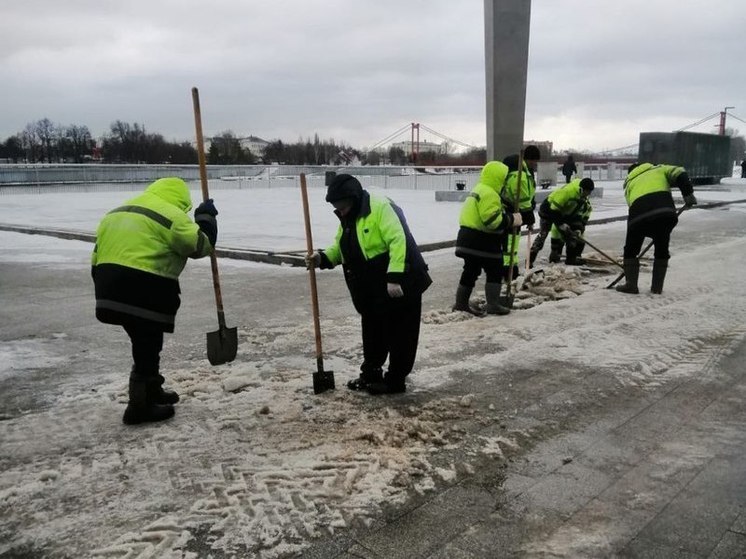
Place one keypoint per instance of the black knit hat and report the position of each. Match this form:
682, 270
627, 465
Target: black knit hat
531, 153
587, 184
343, 186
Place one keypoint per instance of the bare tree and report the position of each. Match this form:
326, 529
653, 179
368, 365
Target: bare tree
45, 132
397, 156
12, 149
80, 140
226, 149
30, 143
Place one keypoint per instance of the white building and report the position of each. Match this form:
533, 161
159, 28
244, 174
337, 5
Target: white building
254, 144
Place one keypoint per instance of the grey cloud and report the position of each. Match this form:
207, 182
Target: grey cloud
359, 70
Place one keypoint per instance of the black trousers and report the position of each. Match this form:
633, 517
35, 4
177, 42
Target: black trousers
473, 266
147, 343
659, 230
392, 331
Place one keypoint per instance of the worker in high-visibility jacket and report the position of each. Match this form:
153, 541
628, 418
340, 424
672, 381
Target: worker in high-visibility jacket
484, 222
652, 213
386, 276
141, 249
564, 213
526, 201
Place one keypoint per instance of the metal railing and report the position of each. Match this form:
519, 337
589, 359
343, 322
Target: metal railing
84, 177
92, 177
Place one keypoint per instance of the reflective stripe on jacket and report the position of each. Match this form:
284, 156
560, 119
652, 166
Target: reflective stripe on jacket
483, 209
647, 190
152, 232
483, 217
528, 189
570, 203
649, 179
375, 247
378, 232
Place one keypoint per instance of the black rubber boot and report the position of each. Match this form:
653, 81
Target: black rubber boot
462, 301
158, 395
631, 274
660, 266
573, 254
367, 377
556, 254
389, 385
492, 294
141, 409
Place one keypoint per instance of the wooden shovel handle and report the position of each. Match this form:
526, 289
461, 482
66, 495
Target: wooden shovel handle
516, 230
311, 270
205, 197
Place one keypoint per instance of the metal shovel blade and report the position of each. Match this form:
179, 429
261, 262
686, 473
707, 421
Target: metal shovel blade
506, 301
222, 346
322, 380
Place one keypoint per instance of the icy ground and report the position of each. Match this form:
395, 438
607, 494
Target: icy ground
272, 218
254, 464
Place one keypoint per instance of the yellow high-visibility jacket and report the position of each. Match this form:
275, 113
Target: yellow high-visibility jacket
141, 248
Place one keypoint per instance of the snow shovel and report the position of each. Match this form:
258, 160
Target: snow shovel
647, 248
598, 250
322, 380
507, 299
222, 345
530, 270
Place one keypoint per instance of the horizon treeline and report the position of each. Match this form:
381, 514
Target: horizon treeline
44, 141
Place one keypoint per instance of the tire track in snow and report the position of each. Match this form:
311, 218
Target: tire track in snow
260, 481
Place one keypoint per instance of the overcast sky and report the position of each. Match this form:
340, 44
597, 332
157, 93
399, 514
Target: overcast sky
358, 70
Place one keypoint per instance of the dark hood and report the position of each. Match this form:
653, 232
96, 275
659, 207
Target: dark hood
343, 186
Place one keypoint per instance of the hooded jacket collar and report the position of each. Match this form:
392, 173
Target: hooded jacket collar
360, 209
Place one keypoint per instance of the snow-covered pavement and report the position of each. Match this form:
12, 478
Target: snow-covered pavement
255, 465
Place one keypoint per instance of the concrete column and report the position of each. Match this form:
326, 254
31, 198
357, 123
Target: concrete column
506, 30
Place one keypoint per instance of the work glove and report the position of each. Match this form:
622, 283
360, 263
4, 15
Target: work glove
395, 290
517, 220
565, 229
204, 216
206, 207
689, 201
312, 260
529, 218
